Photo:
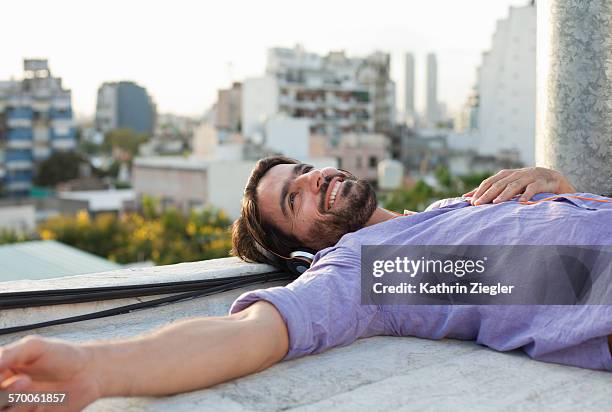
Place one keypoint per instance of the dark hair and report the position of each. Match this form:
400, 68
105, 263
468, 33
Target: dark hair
250, 231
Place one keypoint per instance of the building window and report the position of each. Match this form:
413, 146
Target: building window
373, 161
339, 159
359, 165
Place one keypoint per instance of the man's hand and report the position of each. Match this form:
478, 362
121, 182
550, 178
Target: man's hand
182, 356
36, 364
529, 181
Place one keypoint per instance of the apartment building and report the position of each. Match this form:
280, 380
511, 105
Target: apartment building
336, 93
36, 120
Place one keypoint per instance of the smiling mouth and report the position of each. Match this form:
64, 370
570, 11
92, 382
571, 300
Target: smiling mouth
332, 192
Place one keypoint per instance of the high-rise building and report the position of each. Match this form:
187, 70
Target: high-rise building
431, 107
229, 108
338, 94
409, 111
35, 120
375, 72
124, 105
505, 88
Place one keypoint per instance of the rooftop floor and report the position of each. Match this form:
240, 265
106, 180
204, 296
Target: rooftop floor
374, 374
41, 259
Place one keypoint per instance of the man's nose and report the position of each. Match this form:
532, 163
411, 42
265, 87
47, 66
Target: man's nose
312, 180
329, 171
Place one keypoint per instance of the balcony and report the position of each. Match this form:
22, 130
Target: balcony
15, 122
380, 373
24, 176
61, 113
19, 139
20, 113
19, 165
19, 144
20, 133
41, 106
19, 100
62, 103
62, 128
19, 187
18, 155
18, 159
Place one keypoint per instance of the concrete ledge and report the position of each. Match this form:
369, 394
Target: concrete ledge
207, 269
375, 374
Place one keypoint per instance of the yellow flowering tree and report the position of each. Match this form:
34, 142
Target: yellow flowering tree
163, 237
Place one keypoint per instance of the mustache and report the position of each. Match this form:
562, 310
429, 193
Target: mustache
343, 174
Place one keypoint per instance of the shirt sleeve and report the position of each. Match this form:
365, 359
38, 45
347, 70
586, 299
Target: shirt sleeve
444, 202
570, 335
322, 308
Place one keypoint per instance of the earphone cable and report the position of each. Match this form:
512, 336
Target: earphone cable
230, 285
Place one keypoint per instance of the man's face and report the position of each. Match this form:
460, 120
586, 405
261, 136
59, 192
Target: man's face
316, 206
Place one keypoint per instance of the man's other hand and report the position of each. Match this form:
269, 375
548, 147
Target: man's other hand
527, 181
37, 364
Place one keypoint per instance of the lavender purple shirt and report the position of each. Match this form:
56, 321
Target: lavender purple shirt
322, 308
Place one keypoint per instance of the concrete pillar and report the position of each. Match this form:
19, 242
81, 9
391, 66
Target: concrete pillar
574, 91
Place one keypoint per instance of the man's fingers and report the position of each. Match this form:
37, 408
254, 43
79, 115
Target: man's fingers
511, 190
5, 374
489, 195
494, 191
530, 191
16, 383
470, 193
23, 351
483, 187
487, 183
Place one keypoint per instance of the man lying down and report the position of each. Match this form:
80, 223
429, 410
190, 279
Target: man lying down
288, 207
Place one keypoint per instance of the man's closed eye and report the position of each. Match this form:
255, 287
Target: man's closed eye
292, 197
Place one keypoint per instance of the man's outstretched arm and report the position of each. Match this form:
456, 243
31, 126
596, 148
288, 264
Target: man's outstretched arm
183, 356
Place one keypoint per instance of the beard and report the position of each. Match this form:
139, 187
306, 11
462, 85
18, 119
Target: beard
359, 205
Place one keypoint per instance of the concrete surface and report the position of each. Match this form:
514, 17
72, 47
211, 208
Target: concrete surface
374, 374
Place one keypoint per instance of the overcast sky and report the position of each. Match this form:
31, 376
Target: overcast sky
183, 51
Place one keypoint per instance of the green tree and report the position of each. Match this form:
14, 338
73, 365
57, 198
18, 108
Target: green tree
125, 139
59, 167
150, 207
165, 238
416, 198
443, 176
89, 147
474, 180
10, 236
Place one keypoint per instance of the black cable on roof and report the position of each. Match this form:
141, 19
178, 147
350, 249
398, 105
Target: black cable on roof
13, 300
227, 284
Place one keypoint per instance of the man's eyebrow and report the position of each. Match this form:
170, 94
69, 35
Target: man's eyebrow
285, 190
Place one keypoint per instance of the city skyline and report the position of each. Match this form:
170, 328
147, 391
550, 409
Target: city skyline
161, 52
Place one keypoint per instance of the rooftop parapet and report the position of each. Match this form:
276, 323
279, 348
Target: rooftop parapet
380, 373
